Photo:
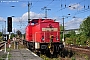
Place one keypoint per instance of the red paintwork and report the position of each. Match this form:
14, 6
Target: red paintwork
34, 32
29, 33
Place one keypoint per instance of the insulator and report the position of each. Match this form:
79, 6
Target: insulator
31, 3
88, 6
61, 5
65, 5
84, 6
74, 8
69, 6
68, 14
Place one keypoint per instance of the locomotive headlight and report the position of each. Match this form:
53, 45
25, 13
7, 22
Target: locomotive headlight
42, 38
57, 38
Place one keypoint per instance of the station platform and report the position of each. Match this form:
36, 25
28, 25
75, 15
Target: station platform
23, 54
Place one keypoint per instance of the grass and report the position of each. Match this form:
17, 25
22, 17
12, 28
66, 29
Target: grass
9, 56
3, 57
47, 58
79, 55
73, 58
76, 56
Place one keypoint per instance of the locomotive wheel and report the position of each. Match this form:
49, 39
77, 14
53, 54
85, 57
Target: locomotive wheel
62, 53
47, 53
56, 54
38, 53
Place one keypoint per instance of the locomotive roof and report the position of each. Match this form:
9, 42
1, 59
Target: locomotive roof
36, 20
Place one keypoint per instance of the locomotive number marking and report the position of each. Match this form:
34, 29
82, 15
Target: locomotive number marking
49, 29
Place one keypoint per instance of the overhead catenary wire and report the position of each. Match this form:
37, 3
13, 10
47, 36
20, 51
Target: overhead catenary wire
46, 7
70, 6
62, 8
50, 2
85, 9
82, 11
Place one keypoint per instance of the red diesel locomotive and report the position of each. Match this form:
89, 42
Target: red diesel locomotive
43, 35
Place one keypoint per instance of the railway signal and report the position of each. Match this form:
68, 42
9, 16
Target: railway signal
9, 24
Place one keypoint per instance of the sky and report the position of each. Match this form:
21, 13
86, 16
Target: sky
73, 12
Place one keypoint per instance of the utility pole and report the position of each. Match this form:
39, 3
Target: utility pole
63, 32
63, 26
2, 30
45, 8
63, 29
29, 12
5, 37
14, 38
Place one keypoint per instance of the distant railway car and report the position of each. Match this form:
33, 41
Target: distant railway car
43, 35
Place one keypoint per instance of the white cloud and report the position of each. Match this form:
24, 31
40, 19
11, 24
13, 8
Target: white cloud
75, 6
73, 24
24, 5
58, 19
16, 19
14, 30
2, 19
23, 20
32, 15
24, 17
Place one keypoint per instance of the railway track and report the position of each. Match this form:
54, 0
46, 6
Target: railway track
75, 49
78, 54
2, 44
78, 49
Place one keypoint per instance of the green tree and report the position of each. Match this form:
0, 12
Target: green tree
19, 33
85, 27
0, 34
71, 37
61, 32
12, 35
85, 30
81, 39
